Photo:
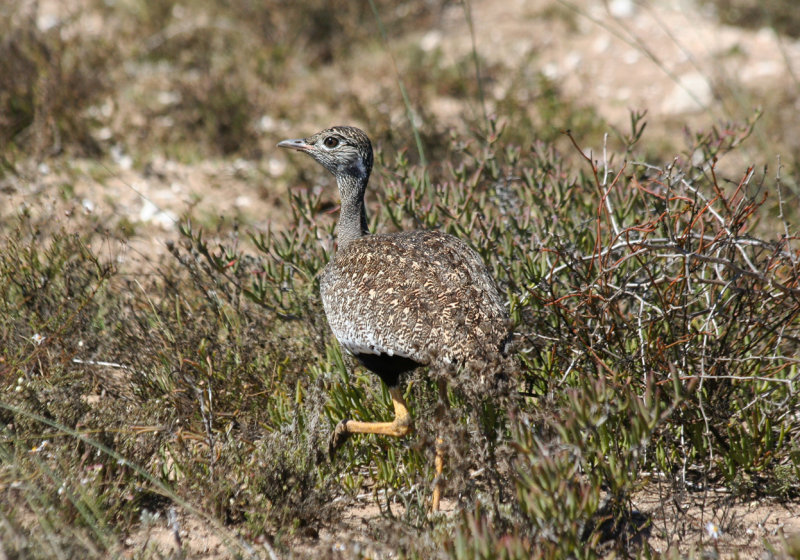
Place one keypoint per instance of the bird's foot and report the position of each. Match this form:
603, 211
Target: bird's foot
437, 495
339, 436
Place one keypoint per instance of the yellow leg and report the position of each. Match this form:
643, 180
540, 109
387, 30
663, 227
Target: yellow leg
438, 461
400, 426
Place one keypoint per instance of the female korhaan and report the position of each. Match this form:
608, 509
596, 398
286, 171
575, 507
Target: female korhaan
400, 301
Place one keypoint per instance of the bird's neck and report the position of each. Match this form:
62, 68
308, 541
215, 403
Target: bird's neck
353, 215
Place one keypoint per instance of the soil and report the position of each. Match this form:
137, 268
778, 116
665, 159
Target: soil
715, 522
718, 521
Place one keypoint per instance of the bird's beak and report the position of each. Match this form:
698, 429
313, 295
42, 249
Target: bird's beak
298, 144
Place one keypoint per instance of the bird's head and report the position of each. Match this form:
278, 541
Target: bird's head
345, 151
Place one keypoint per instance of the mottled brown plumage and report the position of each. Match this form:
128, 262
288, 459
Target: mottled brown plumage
399, 301
422, 295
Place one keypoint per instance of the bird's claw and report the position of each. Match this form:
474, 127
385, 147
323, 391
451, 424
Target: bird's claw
339, 436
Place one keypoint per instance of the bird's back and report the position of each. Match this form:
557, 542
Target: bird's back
422, 295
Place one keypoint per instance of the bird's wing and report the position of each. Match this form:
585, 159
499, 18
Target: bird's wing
422, 295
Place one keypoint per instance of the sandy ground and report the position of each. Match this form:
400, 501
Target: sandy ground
719, 522
714, 522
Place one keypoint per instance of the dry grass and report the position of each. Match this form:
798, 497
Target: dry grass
189, 397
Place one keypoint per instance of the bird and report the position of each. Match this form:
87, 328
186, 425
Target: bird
403, 300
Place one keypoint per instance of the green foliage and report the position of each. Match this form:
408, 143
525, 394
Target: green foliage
51, 285
655, 335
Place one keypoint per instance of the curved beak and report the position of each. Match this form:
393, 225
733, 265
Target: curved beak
298, 144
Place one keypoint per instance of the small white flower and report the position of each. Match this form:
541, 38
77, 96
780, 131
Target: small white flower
37, 339
713, 530
42, 445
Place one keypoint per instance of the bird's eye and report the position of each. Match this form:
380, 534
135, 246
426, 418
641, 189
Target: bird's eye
331, 142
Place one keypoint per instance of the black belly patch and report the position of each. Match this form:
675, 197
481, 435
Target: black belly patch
388, 368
